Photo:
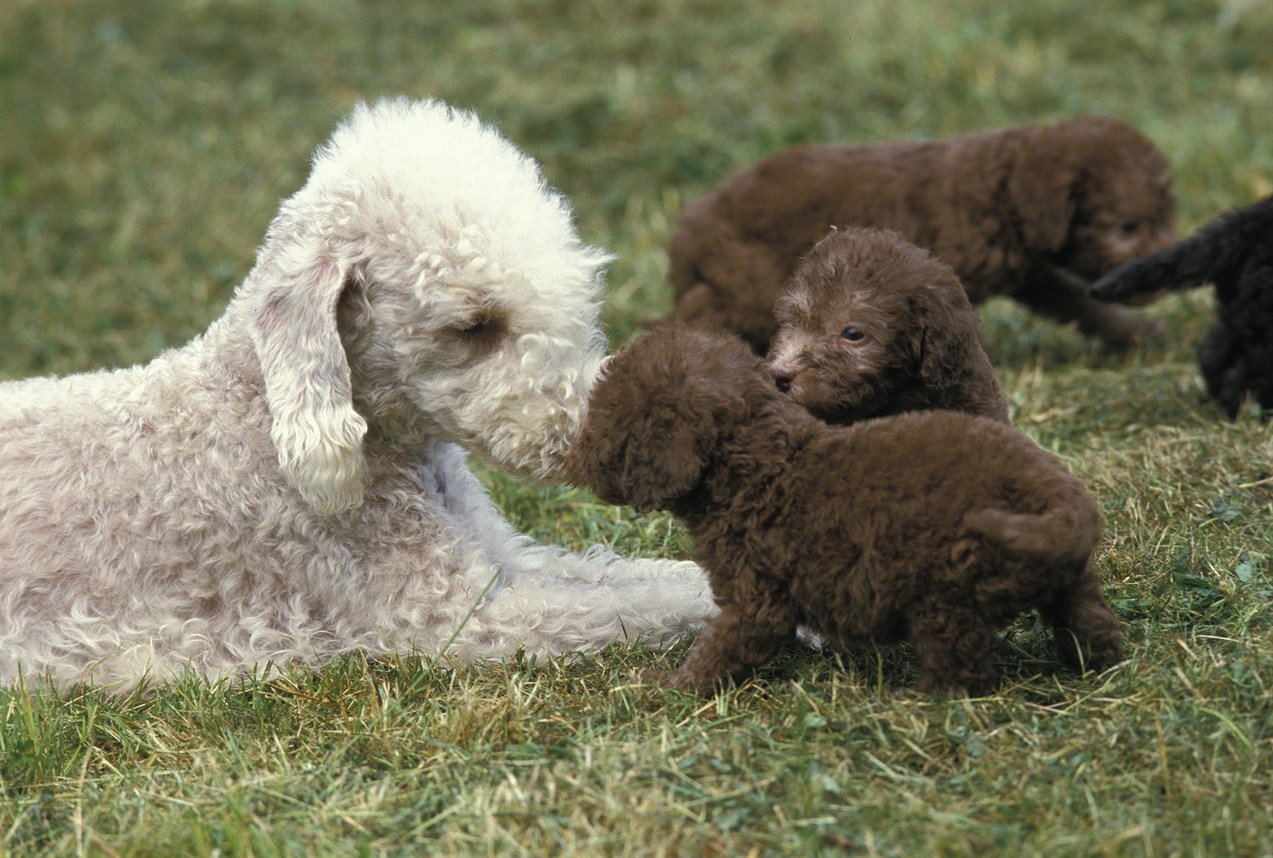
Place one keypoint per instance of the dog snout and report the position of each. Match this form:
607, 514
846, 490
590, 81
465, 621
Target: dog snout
783, 371
783, 378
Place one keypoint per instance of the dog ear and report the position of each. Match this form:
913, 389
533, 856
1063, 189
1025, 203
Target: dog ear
316, 431
659, 467
942, 339
942, 356
648, 425
1042, 189
637, 457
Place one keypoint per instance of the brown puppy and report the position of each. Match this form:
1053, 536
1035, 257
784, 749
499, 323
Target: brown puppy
872, 325
934, 527
1033, 212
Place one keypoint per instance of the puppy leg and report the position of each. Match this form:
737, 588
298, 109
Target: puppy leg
734, 642
1222, 359
956, 648
1064, 298
1086, 631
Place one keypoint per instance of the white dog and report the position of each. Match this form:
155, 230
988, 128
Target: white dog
292, 483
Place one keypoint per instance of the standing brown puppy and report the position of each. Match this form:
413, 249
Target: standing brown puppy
1032, 212
934, 527
872, 325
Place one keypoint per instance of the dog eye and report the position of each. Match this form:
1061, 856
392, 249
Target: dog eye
483, 328
483, 331
1130, 227
852, 334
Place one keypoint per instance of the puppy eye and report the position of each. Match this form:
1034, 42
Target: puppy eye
1130, 227
852, 334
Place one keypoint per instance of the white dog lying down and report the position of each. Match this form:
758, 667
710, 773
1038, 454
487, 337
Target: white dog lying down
292, 483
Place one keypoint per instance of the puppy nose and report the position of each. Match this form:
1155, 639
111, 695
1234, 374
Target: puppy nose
783, 379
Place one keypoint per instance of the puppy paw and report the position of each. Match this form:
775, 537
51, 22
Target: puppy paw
1150, 329
947, 688
679, 680
651, 676
1127, 332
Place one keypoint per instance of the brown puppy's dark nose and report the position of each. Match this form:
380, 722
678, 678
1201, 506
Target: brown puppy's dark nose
783, 379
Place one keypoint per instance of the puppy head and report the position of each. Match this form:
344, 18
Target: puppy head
657, 412
424, 281
1094, 193
866, 317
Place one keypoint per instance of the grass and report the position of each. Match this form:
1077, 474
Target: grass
143, 148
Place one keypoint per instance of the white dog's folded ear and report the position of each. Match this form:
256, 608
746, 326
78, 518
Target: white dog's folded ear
316, 430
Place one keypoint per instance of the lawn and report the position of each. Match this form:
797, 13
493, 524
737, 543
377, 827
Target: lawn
144, 145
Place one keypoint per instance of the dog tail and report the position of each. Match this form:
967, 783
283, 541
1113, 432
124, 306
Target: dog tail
1218, 246
1065, 533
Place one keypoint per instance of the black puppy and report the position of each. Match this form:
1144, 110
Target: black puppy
1235, 252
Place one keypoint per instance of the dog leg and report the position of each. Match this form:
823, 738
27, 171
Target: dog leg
734, 643
956, 648
550, 602
1223, 361
1063, 297
1086, 631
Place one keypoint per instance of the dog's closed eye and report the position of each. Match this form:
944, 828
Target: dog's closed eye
483, 331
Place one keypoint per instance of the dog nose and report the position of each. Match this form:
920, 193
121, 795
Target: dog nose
783, 379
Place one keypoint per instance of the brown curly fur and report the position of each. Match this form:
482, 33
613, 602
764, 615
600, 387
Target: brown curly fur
1032, 212
872, 325
934, 527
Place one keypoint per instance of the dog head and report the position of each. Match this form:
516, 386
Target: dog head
868, 316
1093, 193
657, 413
427, 286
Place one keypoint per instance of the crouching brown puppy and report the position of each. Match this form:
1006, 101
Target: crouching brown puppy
872, 325
933, 527
1034, 212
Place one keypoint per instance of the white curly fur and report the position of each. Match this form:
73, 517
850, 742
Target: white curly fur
292, 483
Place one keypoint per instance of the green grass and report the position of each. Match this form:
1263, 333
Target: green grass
143, 148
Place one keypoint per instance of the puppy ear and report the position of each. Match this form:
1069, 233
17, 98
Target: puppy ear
941, 356
633, 457
1042, 189
658, 468
942, 339
308, 388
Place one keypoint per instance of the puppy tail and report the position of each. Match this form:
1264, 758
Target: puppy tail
1218, 246
1180, 267
1066, 533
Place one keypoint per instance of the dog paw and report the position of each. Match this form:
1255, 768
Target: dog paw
1129, 332
678, 680
651, 676
1150, 329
